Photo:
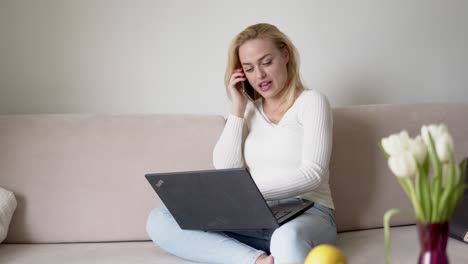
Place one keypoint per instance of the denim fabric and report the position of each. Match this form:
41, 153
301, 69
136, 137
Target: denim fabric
289, 243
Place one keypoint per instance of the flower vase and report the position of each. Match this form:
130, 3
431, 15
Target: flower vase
433, 240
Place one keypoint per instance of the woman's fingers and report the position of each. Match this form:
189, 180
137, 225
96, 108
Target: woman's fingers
237, 77
235, 84
238, 99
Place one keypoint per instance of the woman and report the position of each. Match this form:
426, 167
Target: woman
284, 137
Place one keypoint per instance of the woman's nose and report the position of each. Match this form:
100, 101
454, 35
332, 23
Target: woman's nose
260, 73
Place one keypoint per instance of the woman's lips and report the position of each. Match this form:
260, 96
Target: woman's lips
265, 86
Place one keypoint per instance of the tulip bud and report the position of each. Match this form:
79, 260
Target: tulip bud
398, 143
443, 142
418, 149
403, 164
444, 146
395, 143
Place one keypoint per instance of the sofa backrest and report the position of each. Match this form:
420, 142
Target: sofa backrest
80, 178
363, 187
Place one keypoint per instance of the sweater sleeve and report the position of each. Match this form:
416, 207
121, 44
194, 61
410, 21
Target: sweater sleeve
317, 122
228, 151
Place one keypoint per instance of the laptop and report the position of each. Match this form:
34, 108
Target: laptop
220, 200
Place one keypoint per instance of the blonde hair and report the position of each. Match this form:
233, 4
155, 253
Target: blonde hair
294, 84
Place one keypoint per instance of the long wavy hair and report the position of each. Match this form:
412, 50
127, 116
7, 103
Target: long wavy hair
294, 84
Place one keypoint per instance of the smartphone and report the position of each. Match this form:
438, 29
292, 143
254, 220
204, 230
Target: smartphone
248, 91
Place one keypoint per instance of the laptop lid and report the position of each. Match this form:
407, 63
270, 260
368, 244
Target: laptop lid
224, 200
221, 200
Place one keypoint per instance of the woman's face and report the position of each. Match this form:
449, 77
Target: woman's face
265, 67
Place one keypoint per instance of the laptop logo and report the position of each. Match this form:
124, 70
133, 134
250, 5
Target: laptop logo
160, 183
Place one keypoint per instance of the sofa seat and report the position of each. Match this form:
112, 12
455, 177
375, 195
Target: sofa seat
142, 252
367, 246
360, 247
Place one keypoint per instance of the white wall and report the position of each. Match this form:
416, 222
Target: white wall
61, 56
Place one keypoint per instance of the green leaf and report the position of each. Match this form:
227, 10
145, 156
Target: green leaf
423, 192
461, 182
426, 165
450, 190
462, 171
455, 200
436, 183
387, 216
427, 189
459, 189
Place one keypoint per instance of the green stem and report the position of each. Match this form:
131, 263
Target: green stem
408, 186
435, 194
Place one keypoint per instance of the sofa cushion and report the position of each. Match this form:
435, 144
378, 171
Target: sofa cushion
7, 208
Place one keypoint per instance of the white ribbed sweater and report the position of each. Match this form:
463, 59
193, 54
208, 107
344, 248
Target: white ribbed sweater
288, 159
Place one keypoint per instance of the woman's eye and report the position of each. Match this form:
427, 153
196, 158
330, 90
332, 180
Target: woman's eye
267, 63
248, 70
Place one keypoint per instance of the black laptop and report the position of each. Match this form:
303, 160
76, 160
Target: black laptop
220, 200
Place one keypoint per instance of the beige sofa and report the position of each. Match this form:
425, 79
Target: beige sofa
82, 196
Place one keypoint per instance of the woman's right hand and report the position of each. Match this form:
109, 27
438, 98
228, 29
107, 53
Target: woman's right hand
236, 84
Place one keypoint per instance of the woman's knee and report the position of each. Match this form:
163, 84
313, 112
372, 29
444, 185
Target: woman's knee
292, 241
288, 245
285, 236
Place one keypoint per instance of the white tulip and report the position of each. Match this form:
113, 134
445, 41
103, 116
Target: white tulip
398, 143
395, 143
443, 141
444, 147
435, 130
418, 149
403, 164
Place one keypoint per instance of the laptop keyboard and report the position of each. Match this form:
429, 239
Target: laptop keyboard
280, 214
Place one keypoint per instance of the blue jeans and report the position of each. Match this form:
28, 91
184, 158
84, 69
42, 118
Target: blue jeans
289, 243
